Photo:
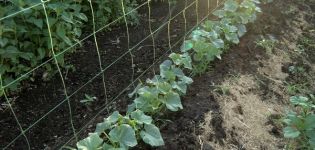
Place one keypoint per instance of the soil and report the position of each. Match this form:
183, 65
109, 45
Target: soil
232, 106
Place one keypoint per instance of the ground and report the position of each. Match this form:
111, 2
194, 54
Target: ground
239, 102
236, 104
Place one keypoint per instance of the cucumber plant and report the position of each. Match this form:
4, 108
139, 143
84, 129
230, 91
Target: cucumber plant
163, 91
300, 124
123, 132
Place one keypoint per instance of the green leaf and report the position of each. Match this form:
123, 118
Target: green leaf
61, 59
135, 90
92, 142
38, 22
27, 56
187, 45
67, 17
312, 141
168, 75
140, 117
186, 80
310, 122
232, 37
180, 86
148, 92
176, 58
299, 100
107, 147
219, 13
151, 135
131, 108
181, 59
155, 80
230, 5
3, 41
164, 87
218, 43
113, 118
173, 102
241, 30
101, 127
82, 16
41, 53
166, 65
201, 46
178, 72
77, 31
61, 32
290, 132
124, 134
110, 147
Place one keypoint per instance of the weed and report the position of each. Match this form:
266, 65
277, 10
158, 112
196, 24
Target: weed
88, 100
267, 44
222, 89
305, 43
294, 89
296, 69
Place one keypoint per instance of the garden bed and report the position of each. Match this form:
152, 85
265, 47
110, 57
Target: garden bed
46, 98
232, 106
239, 102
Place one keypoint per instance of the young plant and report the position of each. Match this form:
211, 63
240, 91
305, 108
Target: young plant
300, 124
296, 69
121, 132
267, 44
296, 88
163, 91
239, 14
222, 89
88, 100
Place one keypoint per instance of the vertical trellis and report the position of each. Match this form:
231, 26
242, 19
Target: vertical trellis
151, 33
13, 113
98, 52
197, 11
60, 73
128, 41
169, 25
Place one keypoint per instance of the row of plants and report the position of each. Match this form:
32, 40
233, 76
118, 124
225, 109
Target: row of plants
24, 38
163, 91
300, 123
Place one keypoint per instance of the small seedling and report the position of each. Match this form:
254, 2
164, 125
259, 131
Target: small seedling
88, 100
222, 89
296, 70
293, 89
305, 43
267, 44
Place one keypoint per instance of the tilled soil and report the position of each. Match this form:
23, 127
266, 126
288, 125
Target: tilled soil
239, 102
